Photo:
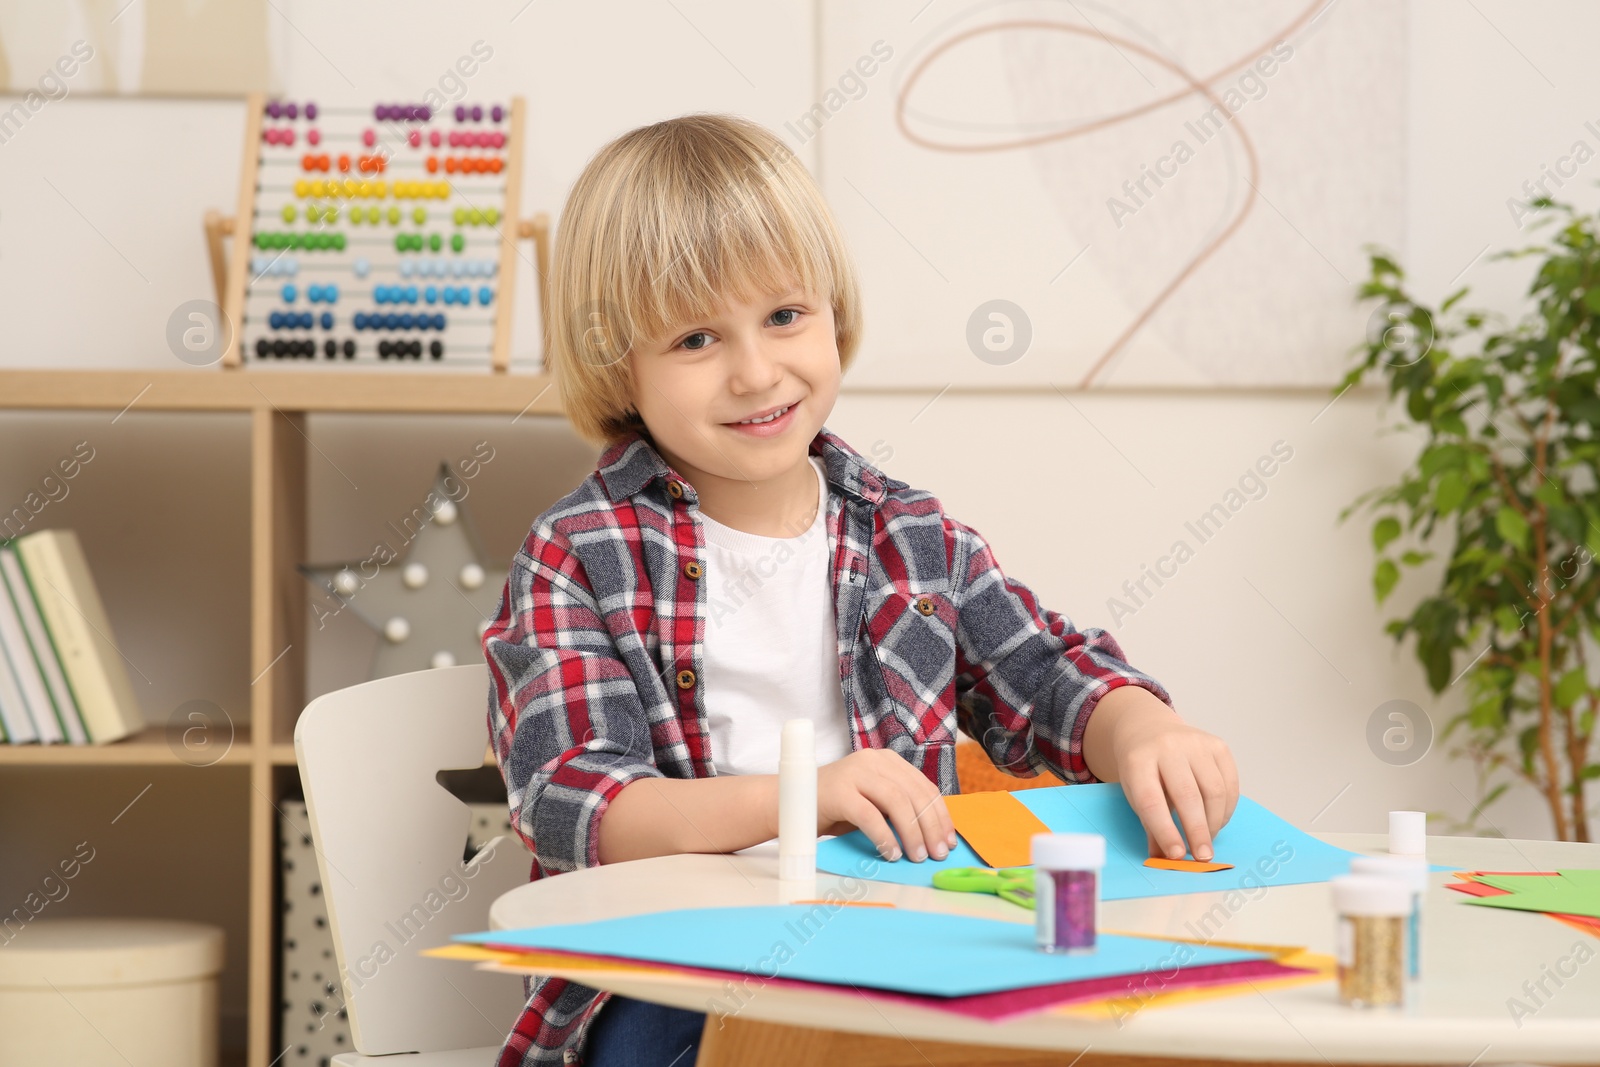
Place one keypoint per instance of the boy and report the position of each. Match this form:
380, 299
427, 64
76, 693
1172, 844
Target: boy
731, 563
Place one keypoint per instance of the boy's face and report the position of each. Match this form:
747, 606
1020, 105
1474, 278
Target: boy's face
743, 360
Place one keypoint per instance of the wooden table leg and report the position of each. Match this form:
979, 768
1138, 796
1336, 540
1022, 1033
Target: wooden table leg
728, 1041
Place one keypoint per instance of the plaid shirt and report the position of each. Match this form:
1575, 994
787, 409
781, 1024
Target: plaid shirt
595, 658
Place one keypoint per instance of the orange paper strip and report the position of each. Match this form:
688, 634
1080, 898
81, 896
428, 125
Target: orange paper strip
997, 825
1199, 866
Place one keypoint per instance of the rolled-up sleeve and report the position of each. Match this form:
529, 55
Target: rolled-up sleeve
1027, 680
566, 720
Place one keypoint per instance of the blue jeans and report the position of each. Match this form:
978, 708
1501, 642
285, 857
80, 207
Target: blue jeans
637, 1033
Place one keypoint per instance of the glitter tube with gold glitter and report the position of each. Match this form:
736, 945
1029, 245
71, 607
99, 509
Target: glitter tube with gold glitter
1370, 944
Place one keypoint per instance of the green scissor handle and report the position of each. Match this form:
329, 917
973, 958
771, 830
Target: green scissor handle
1014, 884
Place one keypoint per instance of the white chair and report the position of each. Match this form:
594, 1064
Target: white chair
389, 841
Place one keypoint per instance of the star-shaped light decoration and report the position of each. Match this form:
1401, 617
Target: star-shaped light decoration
425, 590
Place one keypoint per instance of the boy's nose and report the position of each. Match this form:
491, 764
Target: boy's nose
754, 368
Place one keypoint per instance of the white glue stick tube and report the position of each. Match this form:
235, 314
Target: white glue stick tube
797, 803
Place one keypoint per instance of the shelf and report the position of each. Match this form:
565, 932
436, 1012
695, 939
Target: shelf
212, 389
148, 747
277, 402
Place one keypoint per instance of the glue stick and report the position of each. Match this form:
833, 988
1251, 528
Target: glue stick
1066, 888
797, 807
1408, 833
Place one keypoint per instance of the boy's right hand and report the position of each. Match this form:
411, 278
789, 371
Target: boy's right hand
859, 790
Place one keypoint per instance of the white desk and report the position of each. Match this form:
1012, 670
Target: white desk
1475, 960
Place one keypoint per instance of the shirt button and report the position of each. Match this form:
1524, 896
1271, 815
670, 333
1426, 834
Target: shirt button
693, 569
686, 679
925, 605
675, 489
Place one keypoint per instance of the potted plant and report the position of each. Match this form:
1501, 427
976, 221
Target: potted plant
1505, 489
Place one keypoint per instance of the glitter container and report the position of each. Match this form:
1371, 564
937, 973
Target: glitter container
1066, 885
1370, 944
1413, 870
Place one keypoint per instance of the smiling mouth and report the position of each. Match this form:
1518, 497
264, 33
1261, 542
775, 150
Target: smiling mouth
780, 413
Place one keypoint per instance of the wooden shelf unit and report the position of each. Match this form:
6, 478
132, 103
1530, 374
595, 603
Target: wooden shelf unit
278, 402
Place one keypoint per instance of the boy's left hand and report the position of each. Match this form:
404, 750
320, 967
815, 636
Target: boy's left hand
1164, 765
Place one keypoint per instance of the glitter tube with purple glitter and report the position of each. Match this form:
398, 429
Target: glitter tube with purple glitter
1067, 890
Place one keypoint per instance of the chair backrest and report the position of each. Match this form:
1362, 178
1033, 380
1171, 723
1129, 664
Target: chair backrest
389, 841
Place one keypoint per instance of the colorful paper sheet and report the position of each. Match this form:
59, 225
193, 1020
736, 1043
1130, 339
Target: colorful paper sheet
1161, 863
1472, 885
997, 826
1106, 998
1264, 849
896, 949
1570, 892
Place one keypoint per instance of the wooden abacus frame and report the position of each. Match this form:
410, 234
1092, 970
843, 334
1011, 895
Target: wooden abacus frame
230, 268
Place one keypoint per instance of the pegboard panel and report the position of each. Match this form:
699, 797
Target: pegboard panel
376, 235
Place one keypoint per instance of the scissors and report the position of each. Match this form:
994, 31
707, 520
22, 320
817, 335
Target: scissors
1008, 883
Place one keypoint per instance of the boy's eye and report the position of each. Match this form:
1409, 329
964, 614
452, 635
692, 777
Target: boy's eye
785, 311
690, 343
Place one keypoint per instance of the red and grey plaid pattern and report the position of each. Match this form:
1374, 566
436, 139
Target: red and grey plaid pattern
596, 651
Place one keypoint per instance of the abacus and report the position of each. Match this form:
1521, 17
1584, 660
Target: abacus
375, 235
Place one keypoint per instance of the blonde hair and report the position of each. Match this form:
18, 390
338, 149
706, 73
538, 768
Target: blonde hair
666, 223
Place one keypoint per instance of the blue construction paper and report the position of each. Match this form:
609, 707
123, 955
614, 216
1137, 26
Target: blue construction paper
1263, 848
881, 948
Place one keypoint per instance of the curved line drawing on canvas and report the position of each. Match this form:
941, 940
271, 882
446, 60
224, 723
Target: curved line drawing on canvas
1193, 86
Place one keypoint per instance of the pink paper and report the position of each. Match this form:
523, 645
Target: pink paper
1003, 1004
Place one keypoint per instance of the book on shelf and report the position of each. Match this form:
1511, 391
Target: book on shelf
62, 678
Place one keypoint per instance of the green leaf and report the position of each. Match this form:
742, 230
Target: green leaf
1384, 577
1485, 713
1572, 685
1528, 742
1413, 558
1450, 492
1512, 527
1550, 494
1385, 530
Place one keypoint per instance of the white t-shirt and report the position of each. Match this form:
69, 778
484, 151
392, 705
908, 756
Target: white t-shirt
771, 649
